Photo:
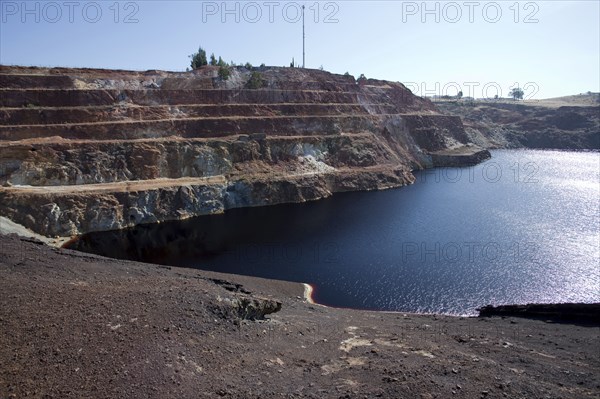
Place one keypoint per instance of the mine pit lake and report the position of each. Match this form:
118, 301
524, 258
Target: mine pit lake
522, 227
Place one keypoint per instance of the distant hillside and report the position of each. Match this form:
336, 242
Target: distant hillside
571, 122
578, 100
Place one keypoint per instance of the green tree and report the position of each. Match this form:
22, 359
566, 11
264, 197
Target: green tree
198, 59
221, 63
248, 65
517, 93
224, 72
459, 95
256, 81
213, 60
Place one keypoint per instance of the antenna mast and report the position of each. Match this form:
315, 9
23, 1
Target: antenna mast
303, 40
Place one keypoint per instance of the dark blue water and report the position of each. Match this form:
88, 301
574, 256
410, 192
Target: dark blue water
522, 227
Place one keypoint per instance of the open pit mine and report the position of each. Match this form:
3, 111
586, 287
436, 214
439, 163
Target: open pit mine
87, 150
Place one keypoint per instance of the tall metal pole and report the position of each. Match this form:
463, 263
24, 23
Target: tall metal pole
303, 40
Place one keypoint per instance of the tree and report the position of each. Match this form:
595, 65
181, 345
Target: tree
361, 79
517, 93
293, 63
256, 81
198, 59
248, 65
224, 72
459, 95
213, 60
221, 63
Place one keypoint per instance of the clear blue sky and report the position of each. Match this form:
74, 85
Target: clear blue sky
552, 45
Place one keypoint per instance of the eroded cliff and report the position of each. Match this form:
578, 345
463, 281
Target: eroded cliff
91, 150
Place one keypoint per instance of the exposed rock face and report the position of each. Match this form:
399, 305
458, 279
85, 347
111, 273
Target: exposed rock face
246, 307
93, 150
458, 157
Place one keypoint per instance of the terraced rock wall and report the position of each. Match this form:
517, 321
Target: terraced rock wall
89, 150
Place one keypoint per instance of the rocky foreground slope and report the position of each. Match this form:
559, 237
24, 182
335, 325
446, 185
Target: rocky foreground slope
90, 150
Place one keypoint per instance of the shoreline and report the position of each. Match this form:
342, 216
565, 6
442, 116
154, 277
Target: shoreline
463, 156
7, 227
442, 160
585, 312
